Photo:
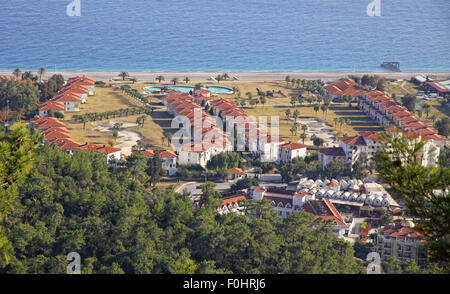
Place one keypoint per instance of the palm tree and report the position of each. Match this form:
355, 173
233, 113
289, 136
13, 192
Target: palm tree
293, 130
249, 95
17, 73
293, 101
117, 126
296, 114
83, 119
134, 80
304, 128
288, 80
159, 79
324, 109
219, 78
41, 73
225, 76
174, 81
187, 80
303, 137
316, 108
142, 119
263, 100
288, 113
123, 74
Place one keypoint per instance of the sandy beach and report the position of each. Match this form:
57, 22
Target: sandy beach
243, 76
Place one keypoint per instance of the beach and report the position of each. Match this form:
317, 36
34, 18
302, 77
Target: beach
243, 76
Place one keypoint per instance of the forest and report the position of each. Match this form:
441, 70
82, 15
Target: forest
52, 204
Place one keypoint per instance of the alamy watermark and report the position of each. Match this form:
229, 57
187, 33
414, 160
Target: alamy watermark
74, 8
374, 8
74, 267
375, 266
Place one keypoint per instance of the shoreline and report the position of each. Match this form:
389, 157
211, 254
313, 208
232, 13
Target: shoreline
243, 76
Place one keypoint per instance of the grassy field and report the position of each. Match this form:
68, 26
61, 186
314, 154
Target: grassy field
109, 99
436, 110
359, 120
157, 125
401, 88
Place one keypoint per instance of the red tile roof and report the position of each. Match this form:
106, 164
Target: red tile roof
374, 136
237, 171
52, 105
293, 146
66, 144
353, 141
85, 80
335, 151
66, 97
55, 134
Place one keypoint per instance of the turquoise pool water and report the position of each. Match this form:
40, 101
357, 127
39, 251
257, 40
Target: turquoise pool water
187, 89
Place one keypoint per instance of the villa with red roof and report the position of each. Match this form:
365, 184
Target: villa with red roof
109, 152
50, 106
44, 123
77, 89
84, 81
168, 158
290, 150
344, 87
350, 148
70, 100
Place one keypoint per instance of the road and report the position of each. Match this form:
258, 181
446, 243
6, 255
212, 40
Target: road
192, 188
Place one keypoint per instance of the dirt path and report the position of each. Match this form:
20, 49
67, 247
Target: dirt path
126, 138
319, 128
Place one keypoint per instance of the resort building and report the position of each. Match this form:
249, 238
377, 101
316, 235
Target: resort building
429, 154
441, 88
290, 150
325, 210
344, 87
70, 100
50, 107
67, 145
395, 240
84, 81
232, 202
327, 155
44, 123
110, 153
77, 89
284, 201
236, 173
168, 159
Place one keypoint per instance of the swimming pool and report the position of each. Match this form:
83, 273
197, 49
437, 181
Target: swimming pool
187, 89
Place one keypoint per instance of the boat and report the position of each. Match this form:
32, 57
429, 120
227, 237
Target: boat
392, 65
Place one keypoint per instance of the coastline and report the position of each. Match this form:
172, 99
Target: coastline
243, 76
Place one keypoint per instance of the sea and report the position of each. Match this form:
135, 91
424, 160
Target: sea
225, 35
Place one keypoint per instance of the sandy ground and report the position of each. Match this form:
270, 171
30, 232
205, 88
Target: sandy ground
319, 128
249, 76
126, 139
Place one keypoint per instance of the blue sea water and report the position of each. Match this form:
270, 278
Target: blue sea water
247, 35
